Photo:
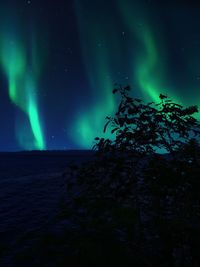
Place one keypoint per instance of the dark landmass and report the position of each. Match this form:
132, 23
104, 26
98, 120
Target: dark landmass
39, 226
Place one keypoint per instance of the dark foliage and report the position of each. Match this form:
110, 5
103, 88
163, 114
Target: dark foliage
142, 128
145, 205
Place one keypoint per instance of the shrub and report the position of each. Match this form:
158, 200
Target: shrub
143, 128
135, 196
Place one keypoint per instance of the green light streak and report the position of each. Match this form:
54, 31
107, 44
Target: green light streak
97, 62
17, 64
13, 62
34, 116
147, 68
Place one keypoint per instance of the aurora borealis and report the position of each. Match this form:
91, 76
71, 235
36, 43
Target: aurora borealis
19, 65
60, 61
21, 86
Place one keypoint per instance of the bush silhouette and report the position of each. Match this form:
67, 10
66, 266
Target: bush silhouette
143, 128
146, 202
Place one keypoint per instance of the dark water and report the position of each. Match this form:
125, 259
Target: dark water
31, 191
30, 163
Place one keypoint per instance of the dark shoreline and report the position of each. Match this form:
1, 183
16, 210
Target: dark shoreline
48, 152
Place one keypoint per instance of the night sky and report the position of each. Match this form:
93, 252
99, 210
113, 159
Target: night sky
60, 60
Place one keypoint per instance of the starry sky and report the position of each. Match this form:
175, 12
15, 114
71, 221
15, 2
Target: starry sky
60, 60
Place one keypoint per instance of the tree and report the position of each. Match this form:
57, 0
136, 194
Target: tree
126, 170
144, 128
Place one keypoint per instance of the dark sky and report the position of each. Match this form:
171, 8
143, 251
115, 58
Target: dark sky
59, 61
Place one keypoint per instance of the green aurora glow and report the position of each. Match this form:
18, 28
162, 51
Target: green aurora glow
151, 46
20, 67
102, 51
98, 67
143, 60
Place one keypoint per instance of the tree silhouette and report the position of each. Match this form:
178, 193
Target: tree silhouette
130, 192
143, 128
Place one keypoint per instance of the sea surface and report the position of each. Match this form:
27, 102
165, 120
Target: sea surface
32, 187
